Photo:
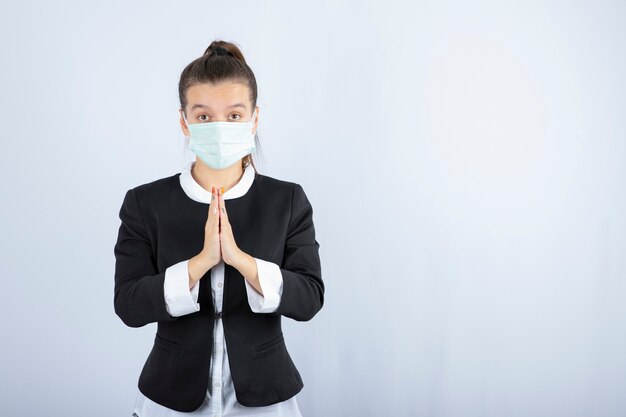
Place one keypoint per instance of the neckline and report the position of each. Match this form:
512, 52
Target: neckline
195, 191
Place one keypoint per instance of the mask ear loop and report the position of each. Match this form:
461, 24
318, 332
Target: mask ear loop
185, 119
253, 118
186, 151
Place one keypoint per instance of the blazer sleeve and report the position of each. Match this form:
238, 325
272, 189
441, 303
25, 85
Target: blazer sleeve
271, 282
139, 297
303, 289
179, 299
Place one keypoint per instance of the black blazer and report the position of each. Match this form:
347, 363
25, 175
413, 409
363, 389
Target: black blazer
161, 226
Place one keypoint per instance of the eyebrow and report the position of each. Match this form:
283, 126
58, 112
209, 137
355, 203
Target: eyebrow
206, 107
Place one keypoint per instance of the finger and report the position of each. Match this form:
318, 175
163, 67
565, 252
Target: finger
210, 211
217, 207
213, 213
223, 213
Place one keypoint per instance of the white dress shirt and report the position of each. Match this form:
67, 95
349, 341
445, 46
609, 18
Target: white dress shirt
220, 400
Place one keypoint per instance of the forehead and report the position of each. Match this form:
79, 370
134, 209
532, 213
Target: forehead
218, 96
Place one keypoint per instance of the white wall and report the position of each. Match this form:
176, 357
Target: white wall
466, 164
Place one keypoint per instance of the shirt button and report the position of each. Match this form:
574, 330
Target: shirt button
217, 384
219, 284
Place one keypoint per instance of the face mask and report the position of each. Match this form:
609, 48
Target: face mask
221, 144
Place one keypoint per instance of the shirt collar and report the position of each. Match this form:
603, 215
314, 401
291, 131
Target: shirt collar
199, 194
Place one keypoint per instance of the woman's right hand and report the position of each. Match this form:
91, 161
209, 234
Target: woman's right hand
211, 252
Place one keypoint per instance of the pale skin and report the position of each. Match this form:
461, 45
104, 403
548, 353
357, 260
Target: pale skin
225, 101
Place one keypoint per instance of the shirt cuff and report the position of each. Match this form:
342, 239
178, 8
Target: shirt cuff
179, 299
271, 281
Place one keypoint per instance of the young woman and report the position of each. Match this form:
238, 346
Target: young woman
216, 255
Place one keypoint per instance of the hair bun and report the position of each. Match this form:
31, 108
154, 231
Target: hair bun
223, 48
220, 50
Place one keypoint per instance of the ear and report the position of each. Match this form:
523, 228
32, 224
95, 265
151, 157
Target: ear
256, 121
183, 126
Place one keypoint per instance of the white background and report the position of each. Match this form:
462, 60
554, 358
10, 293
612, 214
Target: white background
466, 162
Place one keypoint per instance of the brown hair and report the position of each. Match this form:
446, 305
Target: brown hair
221, 61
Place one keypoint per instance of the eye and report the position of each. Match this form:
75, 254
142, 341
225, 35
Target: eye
201, 117
236, 114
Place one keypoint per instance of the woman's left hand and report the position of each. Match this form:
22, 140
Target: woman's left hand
230, 251
231, 254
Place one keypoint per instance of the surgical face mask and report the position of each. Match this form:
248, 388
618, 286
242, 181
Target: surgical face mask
221, 144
